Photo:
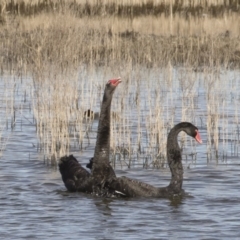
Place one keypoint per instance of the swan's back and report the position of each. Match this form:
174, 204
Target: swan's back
133, 188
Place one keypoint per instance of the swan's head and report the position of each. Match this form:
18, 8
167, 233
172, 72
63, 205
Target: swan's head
114, 82
190, 129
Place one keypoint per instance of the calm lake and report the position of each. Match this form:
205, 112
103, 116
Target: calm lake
34, 203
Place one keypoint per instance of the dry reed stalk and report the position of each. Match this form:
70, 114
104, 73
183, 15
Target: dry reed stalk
236, 131
187, 85
121, 127
213, 113
152, 111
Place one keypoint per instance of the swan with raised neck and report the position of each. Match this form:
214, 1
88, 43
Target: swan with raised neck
101, 168
74, 176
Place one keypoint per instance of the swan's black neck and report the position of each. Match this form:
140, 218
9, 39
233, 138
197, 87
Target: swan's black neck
102, 149
174, 156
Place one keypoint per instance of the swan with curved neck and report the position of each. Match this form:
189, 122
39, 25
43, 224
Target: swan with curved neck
77, 178
133, 188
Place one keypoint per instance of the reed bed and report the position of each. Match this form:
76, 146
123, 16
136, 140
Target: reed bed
165, 51
123, 8
67, 41
145, 111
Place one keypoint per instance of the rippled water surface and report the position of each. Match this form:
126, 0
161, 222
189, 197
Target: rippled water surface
34, 203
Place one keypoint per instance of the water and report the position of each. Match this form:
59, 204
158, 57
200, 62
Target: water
34, 203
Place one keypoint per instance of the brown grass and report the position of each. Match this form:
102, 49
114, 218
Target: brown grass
67, 41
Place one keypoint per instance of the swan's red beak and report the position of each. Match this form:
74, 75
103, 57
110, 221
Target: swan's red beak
197, 137
115, 81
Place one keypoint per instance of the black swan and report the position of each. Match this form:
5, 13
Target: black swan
102, 171
133, 188
74, 176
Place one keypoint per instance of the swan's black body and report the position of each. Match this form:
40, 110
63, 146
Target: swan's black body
133, 188
77, 178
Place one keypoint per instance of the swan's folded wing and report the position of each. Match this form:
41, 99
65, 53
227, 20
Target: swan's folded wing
74, 176
133, 188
